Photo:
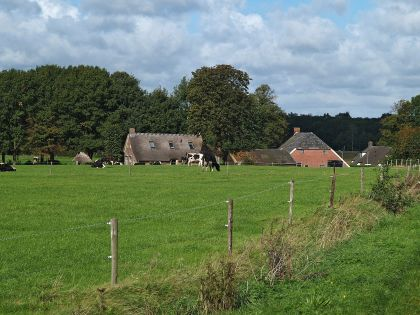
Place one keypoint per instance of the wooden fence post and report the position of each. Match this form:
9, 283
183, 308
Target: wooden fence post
362, 178
332, 191
381, 173
292, 189
230, 225
114, 251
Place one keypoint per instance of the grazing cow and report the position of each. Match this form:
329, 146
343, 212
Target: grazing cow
6, 168
109, 161
98, 164
209, 159
195, 158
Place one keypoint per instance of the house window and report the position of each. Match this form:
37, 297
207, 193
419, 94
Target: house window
171, 145
191, 145
152, 145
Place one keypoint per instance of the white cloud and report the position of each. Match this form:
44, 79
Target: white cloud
56, 9
313, 64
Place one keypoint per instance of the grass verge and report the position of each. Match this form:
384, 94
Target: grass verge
318, 261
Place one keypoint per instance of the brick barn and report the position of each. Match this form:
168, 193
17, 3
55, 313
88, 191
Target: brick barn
308, 150
149, 148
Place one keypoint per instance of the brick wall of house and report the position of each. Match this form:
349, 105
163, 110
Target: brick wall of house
313, 157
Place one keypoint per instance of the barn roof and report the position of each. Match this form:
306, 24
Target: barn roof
304, 140
162, 146
372, 155
82, 158
264, 156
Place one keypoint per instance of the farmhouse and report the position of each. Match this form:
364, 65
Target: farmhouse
372, 155
262, 157
152, 148
308, 150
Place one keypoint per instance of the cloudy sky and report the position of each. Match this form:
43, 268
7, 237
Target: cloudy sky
319, 56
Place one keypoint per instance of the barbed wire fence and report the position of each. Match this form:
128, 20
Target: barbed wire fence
103, 225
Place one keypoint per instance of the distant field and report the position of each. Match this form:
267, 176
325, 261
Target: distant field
54, 226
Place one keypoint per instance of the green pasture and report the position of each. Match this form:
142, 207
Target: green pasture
54, 219
377, 272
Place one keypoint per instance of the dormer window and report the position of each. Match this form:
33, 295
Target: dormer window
152, 145
171, 145
191, 145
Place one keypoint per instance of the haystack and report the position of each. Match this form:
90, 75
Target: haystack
82, 158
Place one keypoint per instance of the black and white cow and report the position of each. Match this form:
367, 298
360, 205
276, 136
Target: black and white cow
6, 168
195, 158
209, 159
109, 161
98, 164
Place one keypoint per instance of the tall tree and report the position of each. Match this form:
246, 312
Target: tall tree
221, 109
401, 129
270, 118
45, 128
13, 113
125, 103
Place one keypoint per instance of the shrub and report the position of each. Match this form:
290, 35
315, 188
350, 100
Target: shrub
390, 192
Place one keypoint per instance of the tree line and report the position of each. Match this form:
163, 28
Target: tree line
341, 132
401, 129
51, 109
63, 110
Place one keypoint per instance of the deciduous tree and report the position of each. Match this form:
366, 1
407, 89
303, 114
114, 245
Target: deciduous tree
221, 109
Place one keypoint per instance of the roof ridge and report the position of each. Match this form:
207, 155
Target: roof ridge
167, 134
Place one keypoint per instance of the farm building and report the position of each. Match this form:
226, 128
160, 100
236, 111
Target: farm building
308, 150
159, 147
372, 155
262, 157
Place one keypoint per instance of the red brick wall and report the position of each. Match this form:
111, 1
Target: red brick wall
314, 158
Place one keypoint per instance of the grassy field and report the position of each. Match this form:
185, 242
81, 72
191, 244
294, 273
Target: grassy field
377, 272
55, 232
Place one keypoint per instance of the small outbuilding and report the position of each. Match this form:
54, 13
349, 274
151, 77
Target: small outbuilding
152, 148
308, 150
262, 157
82, 158
372, 155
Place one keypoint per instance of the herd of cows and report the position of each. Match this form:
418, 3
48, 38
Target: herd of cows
205, 159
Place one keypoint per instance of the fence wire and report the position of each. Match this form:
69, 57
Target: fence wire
158, 215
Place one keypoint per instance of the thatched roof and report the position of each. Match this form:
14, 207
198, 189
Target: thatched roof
82, 158
149, 147
304, 140
372, 155
263, 156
